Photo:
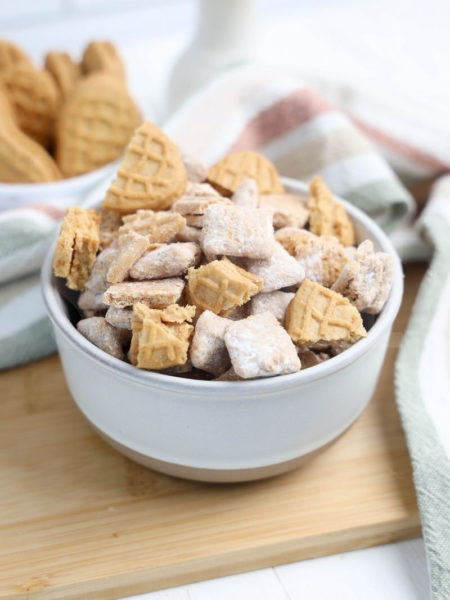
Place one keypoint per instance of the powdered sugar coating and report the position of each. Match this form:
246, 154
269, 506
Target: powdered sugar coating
322, 258
103, 335
247, 194
131, 247
260, 347
92, 297
237, 231
279, 271
119, 317
155, 294
273, 302
188, 234
170, 260
367, 280
208, 351
196, 170
161, 226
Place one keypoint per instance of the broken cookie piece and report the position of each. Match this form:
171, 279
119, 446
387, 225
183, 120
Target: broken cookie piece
160, 340
220, 286
77, 246
317, 314
328, 217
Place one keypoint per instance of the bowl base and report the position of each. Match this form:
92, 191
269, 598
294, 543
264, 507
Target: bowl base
212, 475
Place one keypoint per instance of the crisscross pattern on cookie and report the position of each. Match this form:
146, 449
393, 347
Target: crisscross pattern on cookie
155, 344
220, 286
234, 169
317, 313
152, 173
95, 124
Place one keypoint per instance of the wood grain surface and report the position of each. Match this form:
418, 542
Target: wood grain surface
78, 520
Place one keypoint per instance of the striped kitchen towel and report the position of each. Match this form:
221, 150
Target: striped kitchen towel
423, 390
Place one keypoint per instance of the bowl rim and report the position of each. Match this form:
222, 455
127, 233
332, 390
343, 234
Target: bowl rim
247, 387
60, 186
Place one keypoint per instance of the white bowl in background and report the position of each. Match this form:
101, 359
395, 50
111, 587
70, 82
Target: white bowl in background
224, 431
61, 193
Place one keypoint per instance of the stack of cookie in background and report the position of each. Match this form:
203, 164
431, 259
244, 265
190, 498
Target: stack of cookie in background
63, 120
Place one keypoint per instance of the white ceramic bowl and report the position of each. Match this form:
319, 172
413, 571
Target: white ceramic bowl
224, 431
61, 193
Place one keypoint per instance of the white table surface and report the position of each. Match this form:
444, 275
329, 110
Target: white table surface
151, 35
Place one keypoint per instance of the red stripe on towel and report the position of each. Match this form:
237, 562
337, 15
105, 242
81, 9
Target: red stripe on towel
51, 211
402, 148
288, 113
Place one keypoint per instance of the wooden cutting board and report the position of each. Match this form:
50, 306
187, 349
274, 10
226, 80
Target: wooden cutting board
78, 520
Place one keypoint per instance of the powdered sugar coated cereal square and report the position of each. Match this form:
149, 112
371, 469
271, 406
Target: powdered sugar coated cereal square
260, 347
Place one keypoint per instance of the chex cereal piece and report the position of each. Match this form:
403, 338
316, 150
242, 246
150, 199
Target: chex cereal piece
155, 294
188, 234
279, 271
308, 358
109, 227
103, 335
157, 343
322, 258
92, 297
196, 170
246, 194
179, 370
170, 260
131, 247
290, 210
229, 375
151, 175
328, 217
208, 351
220, 286
94, 124
194, 221
202, 190
197, 198
366, 281
228, 174
77, 246
260, 347
240, 312
273, 302
159, 227
119, 317
237, 231
319, 314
